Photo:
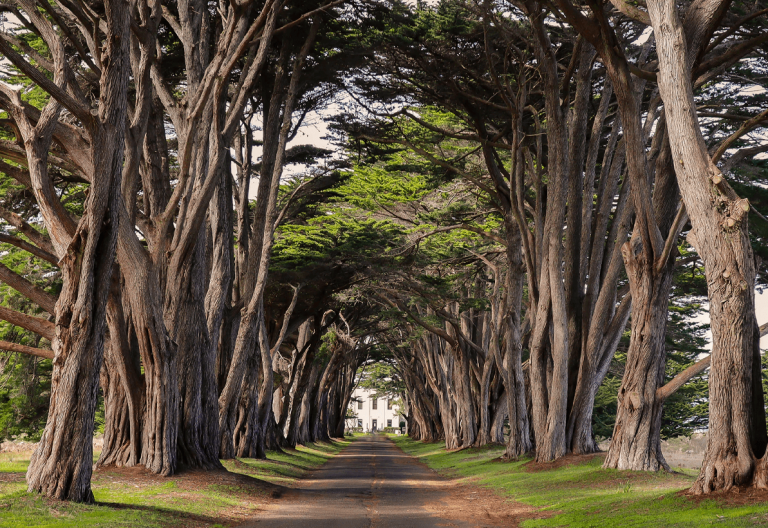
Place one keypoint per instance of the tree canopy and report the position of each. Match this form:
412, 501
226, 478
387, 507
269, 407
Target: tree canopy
521, 216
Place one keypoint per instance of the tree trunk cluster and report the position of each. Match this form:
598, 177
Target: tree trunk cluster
586, 145
627, 170
175, 333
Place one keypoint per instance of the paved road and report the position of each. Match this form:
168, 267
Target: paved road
369, 484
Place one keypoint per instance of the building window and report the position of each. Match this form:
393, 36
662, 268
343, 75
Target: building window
389, 423
389, 405
375, 404
359, 422
360, 404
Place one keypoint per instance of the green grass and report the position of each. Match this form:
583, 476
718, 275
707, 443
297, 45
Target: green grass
285, 468
132, 499
14, 462
585, 495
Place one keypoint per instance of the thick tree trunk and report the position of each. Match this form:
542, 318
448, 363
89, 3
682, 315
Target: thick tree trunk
122, 431
160, 419
636, 441
500, 415
184, 315
230, 399
62, 463
519, 441
318, 425
122, 388
266, 390
464, 400
302, 394
61, 466
484, 429
304, 422
720, 235
550, 398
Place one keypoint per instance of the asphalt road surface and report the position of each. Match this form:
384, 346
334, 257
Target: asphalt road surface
371, 483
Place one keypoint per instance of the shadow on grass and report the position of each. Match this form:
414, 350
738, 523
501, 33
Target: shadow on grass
285, 467
136, 497
170, 514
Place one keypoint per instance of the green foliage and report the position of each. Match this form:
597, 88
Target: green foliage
24, 393
604, 412
372, 188
331, 239
24, 380
384, 380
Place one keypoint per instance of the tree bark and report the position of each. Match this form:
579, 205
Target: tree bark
61, 465
720, 235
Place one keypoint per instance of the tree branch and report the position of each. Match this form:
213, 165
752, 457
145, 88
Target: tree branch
632, 12
34, 293
743, 129
28, 322
662, 393
26, 246
677, 225
31, 351
39, 239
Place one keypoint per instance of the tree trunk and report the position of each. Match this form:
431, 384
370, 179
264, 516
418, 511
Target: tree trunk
266, 389
636, 436
61, 466
519, 442
184, 316
302, 393
484, 429
720, 235
122, 388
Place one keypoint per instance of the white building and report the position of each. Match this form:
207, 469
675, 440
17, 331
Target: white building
372, 414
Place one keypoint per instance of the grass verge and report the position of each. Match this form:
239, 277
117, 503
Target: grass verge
132, 497
582, 494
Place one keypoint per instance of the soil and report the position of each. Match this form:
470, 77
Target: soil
482, 507
741, 496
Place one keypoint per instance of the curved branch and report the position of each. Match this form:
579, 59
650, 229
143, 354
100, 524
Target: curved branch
26, 246
42, 80
632, 12
45, 300
37, 238
743, 129
28, 322
662, 393
30, 351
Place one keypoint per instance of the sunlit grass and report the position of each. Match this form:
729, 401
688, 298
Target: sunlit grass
286, 467
585, 494
155, 502
14, 462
